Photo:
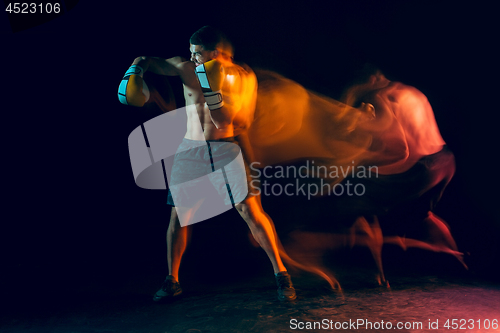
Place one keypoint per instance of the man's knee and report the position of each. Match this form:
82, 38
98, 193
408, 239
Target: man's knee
173, 215
249, 211
253, 215
243, 209
174, 220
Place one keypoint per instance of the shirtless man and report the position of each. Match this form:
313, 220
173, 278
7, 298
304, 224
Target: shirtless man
217, 119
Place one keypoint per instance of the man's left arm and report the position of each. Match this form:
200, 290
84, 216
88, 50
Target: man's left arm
228, 90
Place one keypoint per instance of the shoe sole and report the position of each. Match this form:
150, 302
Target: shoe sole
286, 299
167, 297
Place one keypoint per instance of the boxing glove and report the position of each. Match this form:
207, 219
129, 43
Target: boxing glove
211, 77
133, 90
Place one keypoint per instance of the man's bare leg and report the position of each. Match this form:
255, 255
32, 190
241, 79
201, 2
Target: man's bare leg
263, 232
369, 233
261, 229
177, 240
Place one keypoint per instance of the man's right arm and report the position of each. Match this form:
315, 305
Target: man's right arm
170, 67
133, 90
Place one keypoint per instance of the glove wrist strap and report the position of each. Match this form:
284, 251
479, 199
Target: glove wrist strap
134, 70
214, 99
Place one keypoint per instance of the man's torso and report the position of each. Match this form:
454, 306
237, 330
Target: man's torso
199, 120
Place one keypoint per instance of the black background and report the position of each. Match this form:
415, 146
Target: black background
71, 210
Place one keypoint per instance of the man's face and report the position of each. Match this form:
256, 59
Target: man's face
200, 56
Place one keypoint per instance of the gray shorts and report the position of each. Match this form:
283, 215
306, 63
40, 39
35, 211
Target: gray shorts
199, 165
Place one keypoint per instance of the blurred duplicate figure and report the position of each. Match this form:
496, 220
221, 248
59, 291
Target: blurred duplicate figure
414, 163
217, 99
405, 139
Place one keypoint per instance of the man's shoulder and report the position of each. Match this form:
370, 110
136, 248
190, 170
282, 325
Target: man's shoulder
179, 63
405, 91
186, 70
241, 71
242, 68
186, 65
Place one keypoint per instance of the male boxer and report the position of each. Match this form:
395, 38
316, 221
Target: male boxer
210, 105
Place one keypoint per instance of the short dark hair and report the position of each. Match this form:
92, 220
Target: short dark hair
208, 37
359, 76
363, 74
213, 39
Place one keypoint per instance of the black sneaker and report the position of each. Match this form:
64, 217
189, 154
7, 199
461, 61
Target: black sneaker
286, 291
169, 289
